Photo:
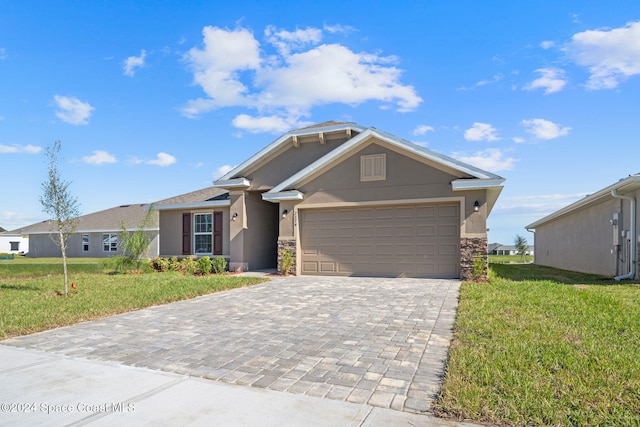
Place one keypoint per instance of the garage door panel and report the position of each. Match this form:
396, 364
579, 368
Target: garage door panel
397, 241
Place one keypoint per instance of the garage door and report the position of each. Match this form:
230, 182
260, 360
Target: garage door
398, 241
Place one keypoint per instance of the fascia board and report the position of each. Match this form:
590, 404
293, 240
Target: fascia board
196, 205
476, 184
232, 183
284, 140
632, 182
283, 196
106, 230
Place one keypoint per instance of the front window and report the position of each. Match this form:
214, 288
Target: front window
85, 243
203, 233
15, 246
109, 242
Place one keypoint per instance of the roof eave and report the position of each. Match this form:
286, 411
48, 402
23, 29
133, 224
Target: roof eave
629, 184
237, 183
195, 205
282, 196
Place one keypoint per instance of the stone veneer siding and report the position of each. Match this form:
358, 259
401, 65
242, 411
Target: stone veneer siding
470, 247
284, 245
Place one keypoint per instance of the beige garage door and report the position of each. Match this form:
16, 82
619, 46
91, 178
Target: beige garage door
398, 241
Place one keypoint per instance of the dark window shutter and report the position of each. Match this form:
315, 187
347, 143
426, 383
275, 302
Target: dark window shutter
186, 234
217, 233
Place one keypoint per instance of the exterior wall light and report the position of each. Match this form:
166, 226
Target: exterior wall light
235, 216
284, 213
476, 206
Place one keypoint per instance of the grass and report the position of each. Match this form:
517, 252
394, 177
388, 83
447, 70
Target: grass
509, 259
541, 346
30, 299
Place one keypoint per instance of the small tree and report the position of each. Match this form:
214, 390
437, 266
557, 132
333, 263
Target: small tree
135, 246
62, 207
521, 246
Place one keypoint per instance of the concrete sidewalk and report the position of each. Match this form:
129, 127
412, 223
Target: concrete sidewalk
39, 388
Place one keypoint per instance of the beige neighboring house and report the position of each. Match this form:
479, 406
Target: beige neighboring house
345, 200
96, 234
597, 234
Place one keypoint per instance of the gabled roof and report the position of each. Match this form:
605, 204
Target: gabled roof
108, 220
472, 178
321, 128
206, 197
626, 185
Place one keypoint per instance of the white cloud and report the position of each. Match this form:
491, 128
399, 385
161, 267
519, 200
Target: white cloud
272, 124
481, 132
496, 78
546, 203
72, 110
99, 157
162, 159
234, 69
551, 80
222, 171
518, 139
544, 129
491, 159
133, 62
611, 56
547, 44
422, 130
10, 149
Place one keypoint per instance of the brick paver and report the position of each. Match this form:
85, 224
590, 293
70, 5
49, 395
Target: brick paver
378, 341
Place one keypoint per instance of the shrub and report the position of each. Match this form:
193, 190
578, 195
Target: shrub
286, 262
189, 266
479, 270
219, 265
204, 265
174, 264
161, 264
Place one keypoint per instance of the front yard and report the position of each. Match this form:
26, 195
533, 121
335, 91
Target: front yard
539, 346
30, 299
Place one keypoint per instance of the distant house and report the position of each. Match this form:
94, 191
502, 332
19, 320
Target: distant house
96, 234
13, 242
342, 199
499, 249
597, 234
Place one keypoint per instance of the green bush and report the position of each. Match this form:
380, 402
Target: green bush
479, 271
189, 266
204, 265
286, 262
219, 265
174, 264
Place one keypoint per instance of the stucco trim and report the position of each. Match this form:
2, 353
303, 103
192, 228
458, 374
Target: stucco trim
232, 183
383, 202
476, 184
283, 196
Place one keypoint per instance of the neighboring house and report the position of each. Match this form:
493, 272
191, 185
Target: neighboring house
96, 234
498, 249
13, 242
597, 234
345, 200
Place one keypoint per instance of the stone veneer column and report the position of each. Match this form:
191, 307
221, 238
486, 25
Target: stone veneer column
470, 247
283, 245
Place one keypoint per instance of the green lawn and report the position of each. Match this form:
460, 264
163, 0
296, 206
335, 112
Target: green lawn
30, 299
540, 346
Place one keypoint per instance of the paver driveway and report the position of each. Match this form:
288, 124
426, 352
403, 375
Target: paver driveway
365, 340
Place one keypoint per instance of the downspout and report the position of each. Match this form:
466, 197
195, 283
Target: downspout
533, 231
634, 236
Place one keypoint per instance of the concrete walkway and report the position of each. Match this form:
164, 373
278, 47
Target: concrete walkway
370, 347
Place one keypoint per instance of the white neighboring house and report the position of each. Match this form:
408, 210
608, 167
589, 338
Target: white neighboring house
498, 249
13, 242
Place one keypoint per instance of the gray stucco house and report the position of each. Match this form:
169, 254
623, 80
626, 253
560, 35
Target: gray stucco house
96, 234
597, 234
345, 200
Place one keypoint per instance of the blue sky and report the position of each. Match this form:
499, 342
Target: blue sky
152, 99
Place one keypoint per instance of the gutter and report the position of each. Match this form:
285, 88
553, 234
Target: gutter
634, 236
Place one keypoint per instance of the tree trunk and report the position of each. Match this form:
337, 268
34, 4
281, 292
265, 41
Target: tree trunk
63, 248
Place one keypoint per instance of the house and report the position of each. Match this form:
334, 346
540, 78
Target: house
13, 242
597, 234
500, 249
344, 200
96, 234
